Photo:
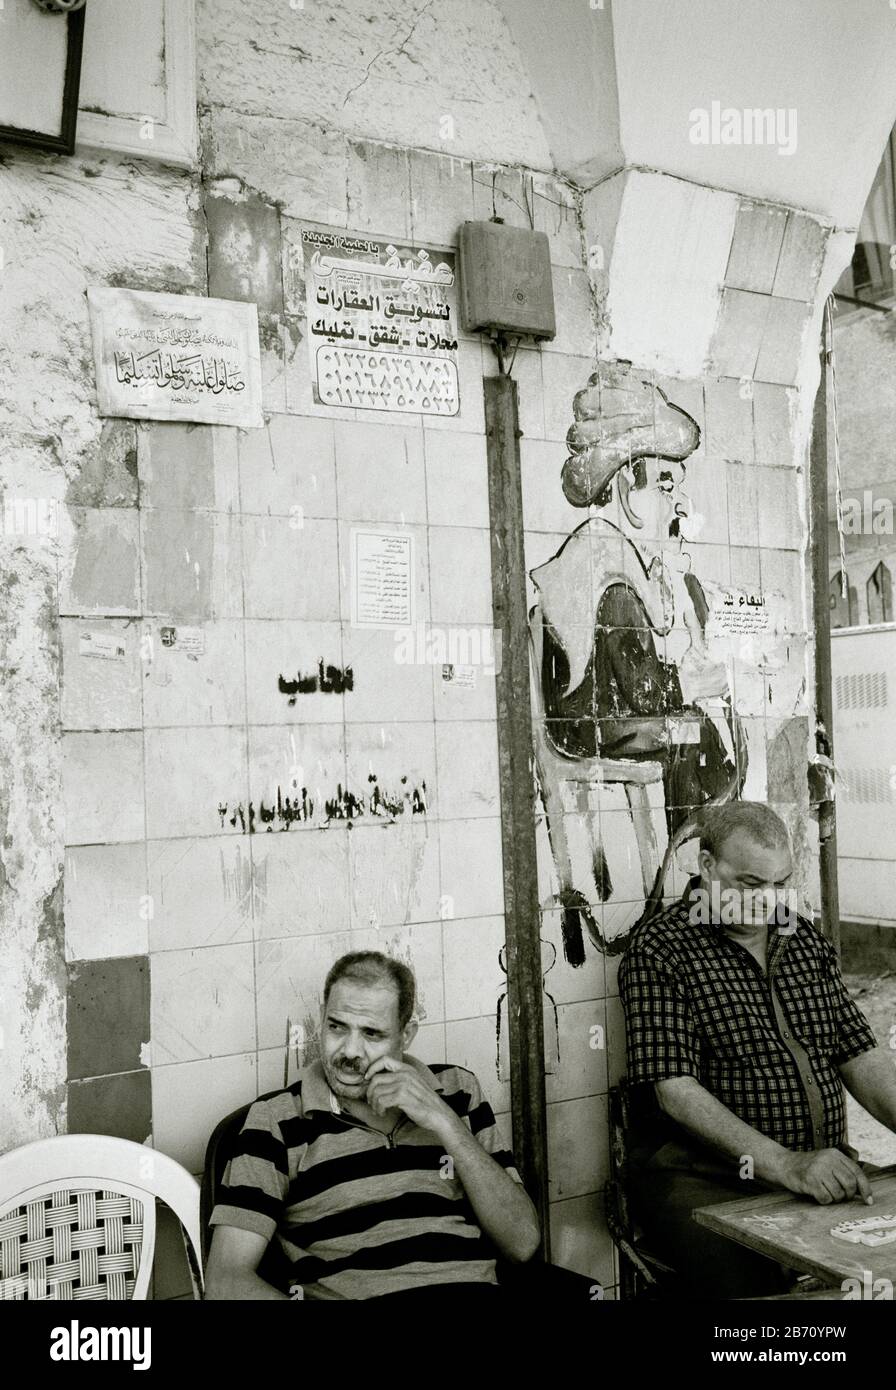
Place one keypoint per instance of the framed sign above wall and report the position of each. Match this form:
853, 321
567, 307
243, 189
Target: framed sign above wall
40, 73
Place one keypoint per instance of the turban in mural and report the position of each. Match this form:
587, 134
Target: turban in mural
620, 417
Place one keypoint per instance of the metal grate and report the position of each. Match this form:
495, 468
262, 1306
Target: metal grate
867, 785
865, 690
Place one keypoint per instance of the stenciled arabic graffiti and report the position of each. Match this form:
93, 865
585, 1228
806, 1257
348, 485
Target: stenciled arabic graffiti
346, 805
623, 708
328, 680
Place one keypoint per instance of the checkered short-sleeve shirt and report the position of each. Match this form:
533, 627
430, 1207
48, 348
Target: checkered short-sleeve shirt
697, 1004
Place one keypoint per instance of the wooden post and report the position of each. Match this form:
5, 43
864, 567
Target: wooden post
821, 612
522, 918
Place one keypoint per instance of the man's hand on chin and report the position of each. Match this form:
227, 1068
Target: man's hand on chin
393, 1085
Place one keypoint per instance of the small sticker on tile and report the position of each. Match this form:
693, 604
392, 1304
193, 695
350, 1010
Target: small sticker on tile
101, 644
189, 640
463, 677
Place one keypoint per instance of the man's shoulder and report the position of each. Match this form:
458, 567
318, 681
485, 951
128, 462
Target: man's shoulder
459, 1086
660, 936
279, 1106
812, 939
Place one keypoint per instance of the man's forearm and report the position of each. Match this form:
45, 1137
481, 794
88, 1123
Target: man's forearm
242, 1287
502, 1206
698, 1111
871, 1078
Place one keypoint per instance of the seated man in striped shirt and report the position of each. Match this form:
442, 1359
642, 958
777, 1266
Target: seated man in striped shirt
376, 1174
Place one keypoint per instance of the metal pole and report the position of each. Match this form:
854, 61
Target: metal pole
522, 919
824, 702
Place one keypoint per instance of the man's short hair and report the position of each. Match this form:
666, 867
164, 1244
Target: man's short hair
374, 968
754, 818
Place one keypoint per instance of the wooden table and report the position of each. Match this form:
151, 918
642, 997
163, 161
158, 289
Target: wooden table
796, 1232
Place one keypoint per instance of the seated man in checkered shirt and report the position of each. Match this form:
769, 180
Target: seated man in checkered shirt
740, 1027
377, 1175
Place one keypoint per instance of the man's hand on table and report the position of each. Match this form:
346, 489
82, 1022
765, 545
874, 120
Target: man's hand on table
827, 1175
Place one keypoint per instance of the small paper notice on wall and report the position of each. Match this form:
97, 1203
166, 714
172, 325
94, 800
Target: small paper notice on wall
382, 323
382, 579
176, 357
189, 640
461, 677
738, 615
105, 645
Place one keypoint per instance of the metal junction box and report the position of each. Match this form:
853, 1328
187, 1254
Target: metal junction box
505, 280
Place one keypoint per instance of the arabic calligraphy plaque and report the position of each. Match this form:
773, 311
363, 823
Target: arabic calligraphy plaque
176, 357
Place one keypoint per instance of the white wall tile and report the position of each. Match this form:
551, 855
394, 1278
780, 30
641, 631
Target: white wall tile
102, 787
201, 891
456, 478
474, 977
291, 571
380, 476
394, 873
288, 469
106, 909
293, 759
460, 559
301, 882
577, 1147
469, 781
390, 682
100, 692
202, 1003
189, 774
293, 651
180, 688
190, 1098
472, 879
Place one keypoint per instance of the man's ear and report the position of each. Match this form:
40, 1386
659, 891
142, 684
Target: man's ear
624, 481
409, 1033
706, 863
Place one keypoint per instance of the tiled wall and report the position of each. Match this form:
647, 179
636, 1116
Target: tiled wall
193, 944
203, 942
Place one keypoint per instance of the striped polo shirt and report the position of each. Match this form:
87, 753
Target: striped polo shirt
356, 1212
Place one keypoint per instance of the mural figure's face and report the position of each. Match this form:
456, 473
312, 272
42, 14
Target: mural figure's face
654, 511
359, 1024
751, 880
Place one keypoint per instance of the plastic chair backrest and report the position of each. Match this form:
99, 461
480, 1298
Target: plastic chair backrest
102, 1163
217, 1153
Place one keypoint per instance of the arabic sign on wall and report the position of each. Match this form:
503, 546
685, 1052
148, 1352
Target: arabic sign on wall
382, 324
176, 357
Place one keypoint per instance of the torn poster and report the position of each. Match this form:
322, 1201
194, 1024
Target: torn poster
108, 646
382, 579
382, 324
176, 357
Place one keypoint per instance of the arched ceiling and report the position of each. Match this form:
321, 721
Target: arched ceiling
617, 85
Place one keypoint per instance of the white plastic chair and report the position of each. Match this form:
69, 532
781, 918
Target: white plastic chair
78, 1218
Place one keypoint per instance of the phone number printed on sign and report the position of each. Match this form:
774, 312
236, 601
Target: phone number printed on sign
386, 381
382, 324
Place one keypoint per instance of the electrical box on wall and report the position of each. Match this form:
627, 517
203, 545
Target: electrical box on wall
505, 280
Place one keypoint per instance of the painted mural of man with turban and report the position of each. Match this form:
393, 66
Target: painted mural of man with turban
608, 602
